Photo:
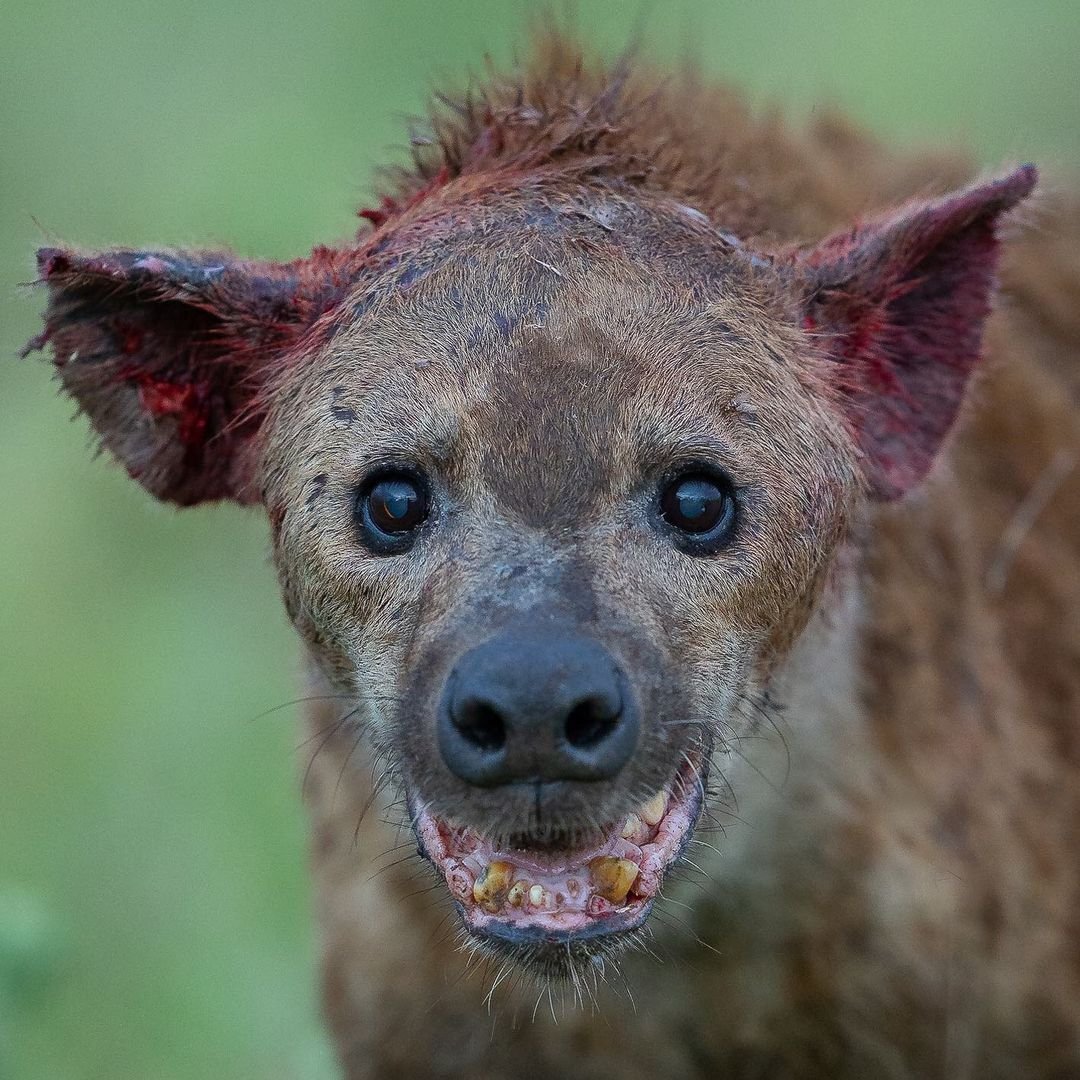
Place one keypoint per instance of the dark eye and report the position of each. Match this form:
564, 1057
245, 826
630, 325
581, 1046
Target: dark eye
389, 509
701, 505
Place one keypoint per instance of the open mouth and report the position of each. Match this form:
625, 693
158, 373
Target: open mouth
518, 896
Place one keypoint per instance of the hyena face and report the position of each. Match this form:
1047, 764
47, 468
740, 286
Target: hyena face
552, 504
555, 477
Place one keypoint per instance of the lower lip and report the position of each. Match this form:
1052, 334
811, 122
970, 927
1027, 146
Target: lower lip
501, 931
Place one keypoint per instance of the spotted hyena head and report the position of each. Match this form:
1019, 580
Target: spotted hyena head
556, 471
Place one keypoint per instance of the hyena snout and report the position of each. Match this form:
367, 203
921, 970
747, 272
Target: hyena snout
537, 707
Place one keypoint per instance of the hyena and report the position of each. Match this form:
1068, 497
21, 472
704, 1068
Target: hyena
688, 700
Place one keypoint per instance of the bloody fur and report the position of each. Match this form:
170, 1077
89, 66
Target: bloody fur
181, 340
642, 251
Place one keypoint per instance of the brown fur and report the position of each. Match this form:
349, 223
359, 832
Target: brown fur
890, 884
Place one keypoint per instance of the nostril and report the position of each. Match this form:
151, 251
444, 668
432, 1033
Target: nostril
481, 725
590, 722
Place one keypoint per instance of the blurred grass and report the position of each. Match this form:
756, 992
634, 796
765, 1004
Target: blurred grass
154, 913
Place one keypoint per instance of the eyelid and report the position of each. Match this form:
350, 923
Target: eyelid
693, 463
712, 542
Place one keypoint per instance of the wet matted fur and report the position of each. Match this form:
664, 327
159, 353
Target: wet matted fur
589, 275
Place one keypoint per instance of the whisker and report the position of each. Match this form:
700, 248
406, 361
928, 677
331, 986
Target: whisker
322, 744
299, 701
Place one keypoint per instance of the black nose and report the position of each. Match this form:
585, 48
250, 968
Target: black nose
550, 707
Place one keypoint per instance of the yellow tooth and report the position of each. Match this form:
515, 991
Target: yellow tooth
612, 877
633, 823
516, 896
653, 810
493, 884
536, 896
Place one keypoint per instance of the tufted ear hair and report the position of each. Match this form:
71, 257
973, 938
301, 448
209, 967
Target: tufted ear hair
166, 352
899, 306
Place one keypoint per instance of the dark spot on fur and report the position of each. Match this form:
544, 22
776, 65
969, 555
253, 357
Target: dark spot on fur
342, 413
364, 304
318, 486
411, 273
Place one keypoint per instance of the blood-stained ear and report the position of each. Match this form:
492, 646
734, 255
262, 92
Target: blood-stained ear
898, 305
167, 353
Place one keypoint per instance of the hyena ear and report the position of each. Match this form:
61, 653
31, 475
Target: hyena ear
167, 352
899, 305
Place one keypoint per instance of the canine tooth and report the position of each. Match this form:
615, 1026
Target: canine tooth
516, 896
491, 887
653, 811
632, 827
612, 877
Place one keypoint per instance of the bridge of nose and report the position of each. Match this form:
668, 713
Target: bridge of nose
550, 433
536, 676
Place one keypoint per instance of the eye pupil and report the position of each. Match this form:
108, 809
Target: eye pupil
701, 506
389, 508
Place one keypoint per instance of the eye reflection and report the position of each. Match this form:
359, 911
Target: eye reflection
390, 508
701, 506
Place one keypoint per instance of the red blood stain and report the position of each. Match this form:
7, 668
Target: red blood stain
390, 207
161, 397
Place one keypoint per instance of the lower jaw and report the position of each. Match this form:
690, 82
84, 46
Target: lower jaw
520, 900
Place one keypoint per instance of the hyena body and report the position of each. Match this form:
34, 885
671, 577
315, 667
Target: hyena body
602, 304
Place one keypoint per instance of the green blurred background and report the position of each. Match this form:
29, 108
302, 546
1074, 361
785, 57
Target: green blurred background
154, 915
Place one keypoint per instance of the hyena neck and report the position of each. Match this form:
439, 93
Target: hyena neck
817, 689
